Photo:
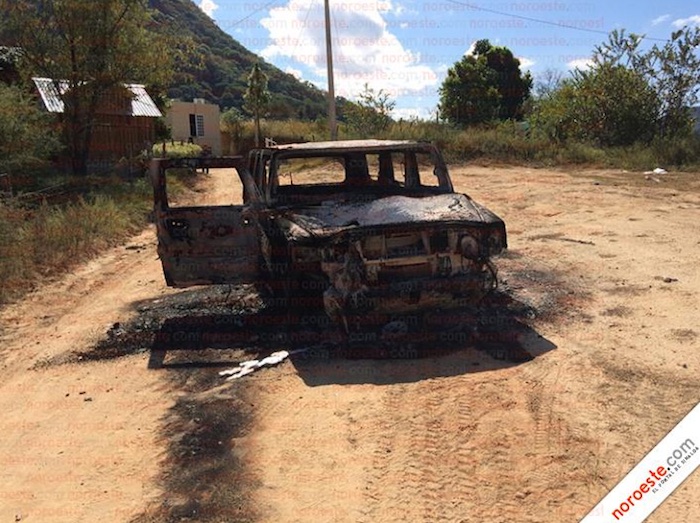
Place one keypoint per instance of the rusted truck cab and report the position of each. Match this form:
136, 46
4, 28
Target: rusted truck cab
366, 226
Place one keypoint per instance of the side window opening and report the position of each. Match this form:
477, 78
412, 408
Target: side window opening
427, 171
415, 169
310, 170
183, 186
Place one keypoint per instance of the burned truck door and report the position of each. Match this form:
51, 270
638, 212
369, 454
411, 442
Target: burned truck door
200, 245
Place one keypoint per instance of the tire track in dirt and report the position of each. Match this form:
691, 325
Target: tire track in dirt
552, 445
402, 481
378, 474
427, 461
498, 446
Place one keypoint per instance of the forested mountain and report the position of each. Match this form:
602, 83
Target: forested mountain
219, 67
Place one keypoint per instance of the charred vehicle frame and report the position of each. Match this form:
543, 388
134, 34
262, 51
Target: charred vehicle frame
365, 226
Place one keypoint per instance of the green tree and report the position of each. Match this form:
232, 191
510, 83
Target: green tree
608, 105
256, 98
671, 69
483, 86
26, 133
94, 46
371, 113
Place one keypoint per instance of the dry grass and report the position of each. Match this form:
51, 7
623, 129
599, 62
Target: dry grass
41, 240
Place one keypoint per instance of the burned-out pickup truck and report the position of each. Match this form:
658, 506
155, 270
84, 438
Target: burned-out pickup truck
366, 226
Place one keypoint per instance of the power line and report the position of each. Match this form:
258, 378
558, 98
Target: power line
540, 21
234, 24
306, 18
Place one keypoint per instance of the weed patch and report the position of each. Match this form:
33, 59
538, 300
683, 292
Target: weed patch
42, 239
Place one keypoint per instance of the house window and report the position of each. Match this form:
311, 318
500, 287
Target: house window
196, 125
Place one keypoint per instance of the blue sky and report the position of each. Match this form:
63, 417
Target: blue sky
406, 46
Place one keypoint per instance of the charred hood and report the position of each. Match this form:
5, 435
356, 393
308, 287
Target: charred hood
335, 217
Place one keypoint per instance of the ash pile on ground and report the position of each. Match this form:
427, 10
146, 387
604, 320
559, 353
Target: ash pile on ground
225, 323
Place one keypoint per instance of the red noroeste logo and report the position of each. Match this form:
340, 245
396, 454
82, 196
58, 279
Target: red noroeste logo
657, 477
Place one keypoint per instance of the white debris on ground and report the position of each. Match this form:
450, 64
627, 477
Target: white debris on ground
249, 366
658, 170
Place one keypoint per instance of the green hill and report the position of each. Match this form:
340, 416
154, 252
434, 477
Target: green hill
224, 64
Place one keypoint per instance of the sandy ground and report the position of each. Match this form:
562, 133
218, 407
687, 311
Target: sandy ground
608, 262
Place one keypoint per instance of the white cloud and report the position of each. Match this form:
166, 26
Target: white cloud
208, 6
470, 51
580, 63
364, 50
660, 19
691, 20
525, 63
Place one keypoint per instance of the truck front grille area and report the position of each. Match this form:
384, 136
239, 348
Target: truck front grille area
399, 256
394, 272
405, 245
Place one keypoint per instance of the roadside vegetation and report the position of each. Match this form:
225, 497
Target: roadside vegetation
64, 221
173, 149
503, 142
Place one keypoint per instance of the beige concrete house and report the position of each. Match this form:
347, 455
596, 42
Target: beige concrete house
196, 121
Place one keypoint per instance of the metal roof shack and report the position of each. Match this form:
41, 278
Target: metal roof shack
122, 127
141, 104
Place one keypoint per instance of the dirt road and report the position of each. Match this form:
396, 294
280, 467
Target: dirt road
603, 264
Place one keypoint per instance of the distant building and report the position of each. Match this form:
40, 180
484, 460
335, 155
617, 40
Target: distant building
197, 122
125, 120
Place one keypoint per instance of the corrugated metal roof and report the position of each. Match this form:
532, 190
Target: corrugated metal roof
142, 104
51, 92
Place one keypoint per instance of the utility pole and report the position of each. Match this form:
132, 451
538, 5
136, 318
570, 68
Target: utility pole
329, 64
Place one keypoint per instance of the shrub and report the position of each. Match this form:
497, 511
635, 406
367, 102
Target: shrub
677, 152
177, 150
609, 105
581, 153
26, 134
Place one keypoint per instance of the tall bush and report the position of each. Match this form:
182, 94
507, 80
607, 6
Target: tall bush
608, 105
672, 70
26, 133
